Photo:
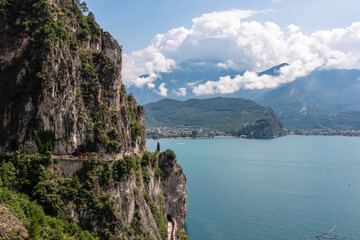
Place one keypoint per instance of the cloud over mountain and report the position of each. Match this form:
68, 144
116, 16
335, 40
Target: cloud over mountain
234, 43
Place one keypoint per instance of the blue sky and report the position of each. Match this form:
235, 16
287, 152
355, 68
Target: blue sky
134, 23
244, 36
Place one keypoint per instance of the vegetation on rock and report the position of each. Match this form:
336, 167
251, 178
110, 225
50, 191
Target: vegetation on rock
50, 202
60, 64
65, 97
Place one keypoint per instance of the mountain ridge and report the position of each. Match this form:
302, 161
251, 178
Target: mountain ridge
227, 114
305, 103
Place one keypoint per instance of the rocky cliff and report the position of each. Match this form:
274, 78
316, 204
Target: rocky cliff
61, 73
174, 186
61, 94
131, 198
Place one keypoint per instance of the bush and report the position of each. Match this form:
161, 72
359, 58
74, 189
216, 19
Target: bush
158, 172
146, 159
39, 225
146, 175
3, 6
44, 140
123, 167
89, 146
170, 154
23, 172
113, 146
46, 194
136, 129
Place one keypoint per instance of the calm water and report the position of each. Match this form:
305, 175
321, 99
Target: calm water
287, 188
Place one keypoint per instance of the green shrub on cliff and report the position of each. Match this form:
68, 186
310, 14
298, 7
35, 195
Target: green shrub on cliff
44, 140
3, 5
37, 223
37, 178
170, 154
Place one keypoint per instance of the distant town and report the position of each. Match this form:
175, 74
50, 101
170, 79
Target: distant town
156, 133
184, 133
325, 132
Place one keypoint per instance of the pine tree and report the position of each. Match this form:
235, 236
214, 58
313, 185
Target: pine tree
158, 147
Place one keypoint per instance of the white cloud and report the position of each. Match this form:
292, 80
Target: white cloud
162, 90
234, 43
181, 92
143, 67
251, 80
229, 64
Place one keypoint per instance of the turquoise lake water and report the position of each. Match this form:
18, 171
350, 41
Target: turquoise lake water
279, 189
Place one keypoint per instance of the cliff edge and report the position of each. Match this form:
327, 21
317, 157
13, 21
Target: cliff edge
61, 73
61, 95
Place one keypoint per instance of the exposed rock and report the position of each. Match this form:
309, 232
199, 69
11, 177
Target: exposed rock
174, 187
135, 198
60, 79
69, 83
10, 226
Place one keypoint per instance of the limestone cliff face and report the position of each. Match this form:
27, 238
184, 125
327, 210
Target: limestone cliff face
143, 197
137, 204
174, 187
60, 72
60, 80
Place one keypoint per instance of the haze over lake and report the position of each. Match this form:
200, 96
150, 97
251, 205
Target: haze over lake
286, 188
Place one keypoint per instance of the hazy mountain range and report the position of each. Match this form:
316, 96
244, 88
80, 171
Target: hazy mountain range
323, 99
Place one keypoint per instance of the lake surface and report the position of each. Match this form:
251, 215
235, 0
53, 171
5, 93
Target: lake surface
286, 188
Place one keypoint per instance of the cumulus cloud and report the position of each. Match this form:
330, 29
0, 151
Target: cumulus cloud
162, 90
181, 92
229, 64
143, 67
251, 80
234, 43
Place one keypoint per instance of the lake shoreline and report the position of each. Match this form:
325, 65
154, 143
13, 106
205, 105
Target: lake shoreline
234, 137
293, 187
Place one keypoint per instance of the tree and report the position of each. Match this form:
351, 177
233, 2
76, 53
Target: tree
91, 16
82, 5
194, 133
158, 147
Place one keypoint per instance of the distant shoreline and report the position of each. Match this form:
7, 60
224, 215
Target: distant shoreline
234, 137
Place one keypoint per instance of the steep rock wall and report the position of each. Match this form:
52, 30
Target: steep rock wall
60, 77
174, 187
60, 72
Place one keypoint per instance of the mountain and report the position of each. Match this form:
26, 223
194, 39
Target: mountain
184, 76
306, 103
343, 120
310, 102
73, 157
274, 71
194, 72
239, 116
62, 74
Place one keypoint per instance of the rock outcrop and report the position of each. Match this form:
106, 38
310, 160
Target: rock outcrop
60, 72
61, 94
174, 187
10, 226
